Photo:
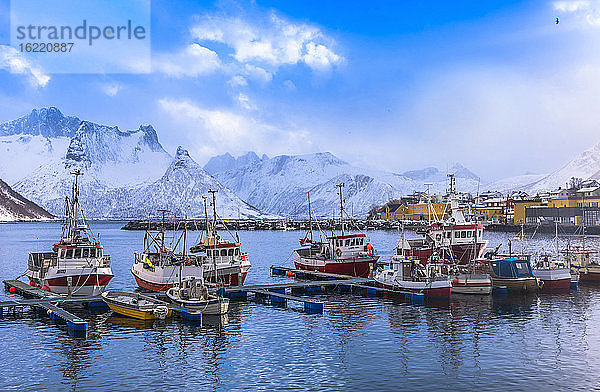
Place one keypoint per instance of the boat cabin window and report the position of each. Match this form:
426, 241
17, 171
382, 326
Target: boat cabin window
457, 234
347, 242
237, 251
69, 254
463, 234
77, 253
230, 252
223, 252
479, 233
449, 234
469, 234
209, 253
522, 269
85, 253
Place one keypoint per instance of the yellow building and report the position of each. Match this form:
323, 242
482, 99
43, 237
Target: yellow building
520, 206
417, 212
492, 214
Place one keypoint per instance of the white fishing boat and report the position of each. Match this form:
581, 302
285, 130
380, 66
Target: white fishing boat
193, 294
405, 274
77, 264
159, 267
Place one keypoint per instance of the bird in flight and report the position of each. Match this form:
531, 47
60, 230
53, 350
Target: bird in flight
557, 21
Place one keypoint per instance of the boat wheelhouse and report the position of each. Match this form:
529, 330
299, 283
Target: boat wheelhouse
77, 264
514, 273
454, 239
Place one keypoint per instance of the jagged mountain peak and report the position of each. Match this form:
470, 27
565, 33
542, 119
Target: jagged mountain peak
13, 206
47, 121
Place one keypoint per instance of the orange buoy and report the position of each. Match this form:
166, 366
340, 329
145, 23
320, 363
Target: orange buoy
289, 273
454, 281
12, 290
45, 288
32, 283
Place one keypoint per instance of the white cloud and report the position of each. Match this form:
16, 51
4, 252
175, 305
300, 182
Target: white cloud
258, 73
193, 60
213, 131
289, 85
586, 11
238, 81
244, 102
270, 41
111, 88
14, 61
571, 6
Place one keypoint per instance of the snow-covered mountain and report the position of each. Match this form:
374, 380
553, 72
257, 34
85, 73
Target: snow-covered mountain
225, 162
127, 174
14, 207
180, 190
586, 166
28, 142
279, 185
433, 174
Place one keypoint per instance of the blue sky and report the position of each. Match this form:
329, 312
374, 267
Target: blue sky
395, 85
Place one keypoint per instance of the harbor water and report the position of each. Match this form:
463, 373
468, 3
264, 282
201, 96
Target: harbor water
534, 343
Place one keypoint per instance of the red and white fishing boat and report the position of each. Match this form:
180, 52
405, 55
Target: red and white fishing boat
344, 254
454, 239
77, 264
158, 267
553, 275
405, 274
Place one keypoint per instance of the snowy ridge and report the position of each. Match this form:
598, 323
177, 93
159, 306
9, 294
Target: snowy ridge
15, 207
127, 174
279, 185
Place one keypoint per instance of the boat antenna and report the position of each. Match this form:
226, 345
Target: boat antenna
340, 186
309, 217
205, 214
162, 229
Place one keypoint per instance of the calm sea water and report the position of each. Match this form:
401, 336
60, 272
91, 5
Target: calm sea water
535, 343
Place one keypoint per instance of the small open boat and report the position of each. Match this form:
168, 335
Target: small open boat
136, 305
191, 293
471, 283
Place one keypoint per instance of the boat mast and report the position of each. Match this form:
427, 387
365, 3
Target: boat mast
214, 230
340, 186
310, 218
205, 214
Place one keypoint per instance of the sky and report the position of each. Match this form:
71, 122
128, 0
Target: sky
497, 86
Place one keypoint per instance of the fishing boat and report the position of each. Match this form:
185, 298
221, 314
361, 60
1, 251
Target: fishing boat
159, 267
193, 294
136, 305
554, 275
344, 254
223, 261
454, 238
77, 264
472, 283
513, 273
405, 274
581, 262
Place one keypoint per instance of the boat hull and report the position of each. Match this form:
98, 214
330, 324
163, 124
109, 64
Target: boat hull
360, 267
434, 292
212, 307
472, 284
129, 311
92, 284
589, 275
163, 278
554, 280
517, 285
